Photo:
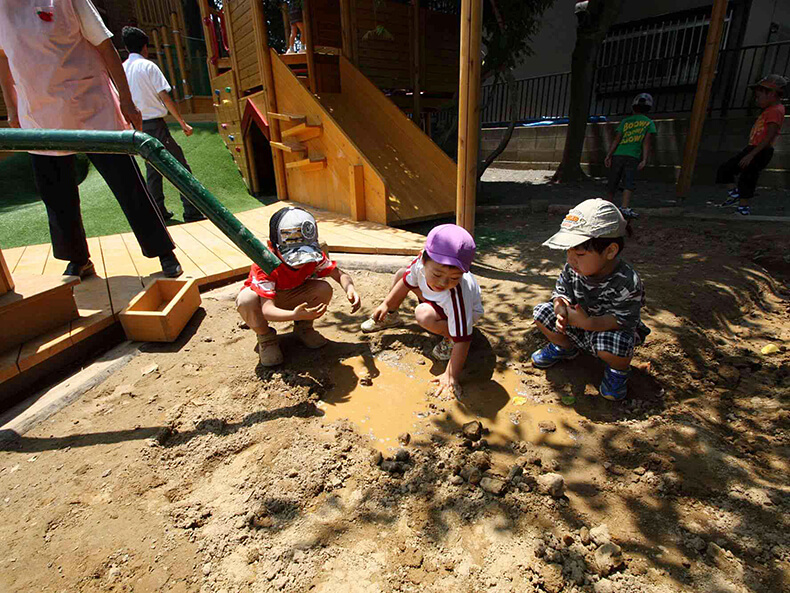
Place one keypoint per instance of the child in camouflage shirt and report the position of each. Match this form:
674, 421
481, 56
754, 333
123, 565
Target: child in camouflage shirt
597, 300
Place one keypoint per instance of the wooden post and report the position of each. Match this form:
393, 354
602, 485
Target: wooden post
468, 112
169, 60
205, 14
416, 40
270, 96
357, 185
159, 54
702, 97
6, 281
345, 30
309, 48
181, 61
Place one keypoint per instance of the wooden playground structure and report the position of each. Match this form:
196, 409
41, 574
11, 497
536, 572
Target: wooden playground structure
339, 126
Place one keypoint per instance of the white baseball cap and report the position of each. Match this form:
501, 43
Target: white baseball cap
643, 99
592, 219
294, 232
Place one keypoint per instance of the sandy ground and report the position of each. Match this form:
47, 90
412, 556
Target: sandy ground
191, 469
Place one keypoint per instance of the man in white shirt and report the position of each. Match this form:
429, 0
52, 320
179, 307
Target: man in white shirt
150, 92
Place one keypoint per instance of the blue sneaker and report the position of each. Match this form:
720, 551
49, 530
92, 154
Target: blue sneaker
614, 386
551, 354
733, 198
744, 210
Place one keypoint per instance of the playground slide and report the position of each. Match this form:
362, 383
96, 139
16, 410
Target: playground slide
420, 178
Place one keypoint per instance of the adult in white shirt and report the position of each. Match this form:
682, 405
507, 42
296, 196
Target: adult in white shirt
57, 71
151, 95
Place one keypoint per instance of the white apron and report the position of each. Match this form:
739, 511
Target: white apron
61, 81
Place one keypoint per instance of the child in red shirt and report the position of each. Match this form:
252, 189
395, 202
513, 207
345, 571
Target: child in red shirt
748, 163
293, 291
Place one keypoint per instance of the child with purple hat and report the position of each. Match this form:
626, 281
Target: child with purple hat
450, 302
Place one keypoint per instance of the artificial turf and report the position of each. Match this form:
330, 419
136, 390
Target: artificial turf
23, 218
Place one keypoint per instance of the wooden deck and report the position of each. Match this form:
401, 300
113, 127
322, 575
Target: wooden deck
205, 254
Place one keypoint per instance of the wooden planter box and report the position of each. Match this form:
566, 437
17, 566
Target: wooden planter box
160, 312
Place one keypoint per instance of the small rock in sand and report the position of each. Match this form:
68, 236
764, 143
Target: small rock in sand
376, 458
404, 438
493, 485
456, 480
607, 558
471, 474
552, 484
547, 426
473, 430
402, 455
600, 535
584, 535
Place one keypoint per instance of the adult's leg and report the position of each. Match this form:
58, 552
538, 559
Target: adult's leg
153, 178
161, 132
121, 173
747, 182
56, 182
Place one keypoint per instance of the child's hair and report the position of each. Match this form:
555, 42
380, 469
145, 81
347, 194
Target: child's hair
641, 108
599, 244
134, 39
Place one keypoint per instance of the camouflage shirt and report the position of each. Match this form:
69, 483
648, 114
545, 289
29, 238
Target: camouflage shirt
620, 294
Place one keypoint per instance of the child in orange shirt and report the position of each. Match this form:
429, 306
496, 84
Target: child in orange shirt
748, 163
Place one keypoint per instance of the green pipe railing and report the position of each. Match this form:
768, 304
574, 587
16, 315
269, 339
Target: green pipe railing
154, 152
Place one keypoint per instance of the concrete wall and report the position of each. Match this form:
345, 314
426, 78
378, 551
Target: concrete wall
541, 148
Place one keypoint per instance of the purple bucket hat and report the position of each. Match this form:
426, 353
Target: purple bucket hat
451, 245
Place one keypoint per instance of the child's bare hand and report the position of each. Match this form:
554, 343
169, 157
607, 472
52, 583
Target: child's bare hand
353, 298
561, 311
746, 161
304, 313
381, 312
608, 162
577, 317
641, 165
447, 385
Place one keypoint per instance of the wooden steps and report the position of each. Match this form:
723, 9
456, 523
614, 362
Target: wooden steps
294, 59
289, 147
287, 117
36, 317
303, 132
306, 165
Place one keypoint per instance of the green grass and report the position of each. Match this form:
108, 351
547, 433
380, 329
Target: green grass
23, 218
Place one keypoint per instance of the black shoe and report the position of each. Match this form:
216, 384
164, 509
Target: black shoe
193, 217
81, 270
170, 266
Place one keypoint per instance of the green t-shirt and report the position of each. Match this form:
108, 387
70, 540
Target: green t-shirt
634, 128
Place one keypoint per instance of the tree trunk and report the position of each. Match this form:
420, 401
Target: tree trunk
590, 34
512, 100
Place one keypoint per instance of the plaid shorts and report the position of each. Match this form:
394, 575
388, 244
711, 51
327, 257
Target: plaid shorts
619, 342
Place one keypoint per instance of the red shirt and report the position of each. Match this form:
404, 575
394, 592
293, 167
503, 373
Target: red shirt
284, 277
773, 114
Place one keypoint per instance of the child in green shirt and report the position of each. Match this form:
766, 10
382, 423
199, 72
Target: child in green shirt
630, 150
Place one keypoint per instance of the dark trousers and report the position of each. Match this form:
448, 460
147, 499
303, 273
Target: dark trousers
153, 178
747, 180
57, 185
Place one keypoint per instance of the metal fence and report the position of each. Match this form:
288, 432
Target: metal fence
671, 80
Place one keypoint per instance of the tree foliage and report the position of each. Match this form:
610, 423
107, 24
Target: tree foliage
508, 27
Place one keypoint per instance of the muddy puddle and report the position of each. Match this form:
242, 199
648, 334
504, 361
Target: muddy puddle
387, 396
